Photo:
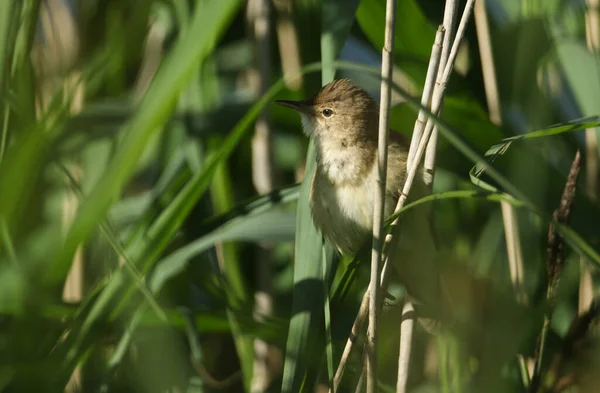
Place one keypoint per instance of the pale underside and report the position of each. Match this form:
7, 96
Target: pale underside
344, 213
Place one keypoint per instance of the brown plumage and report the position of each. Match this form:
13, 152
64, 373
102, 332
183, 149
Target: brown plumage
343, 119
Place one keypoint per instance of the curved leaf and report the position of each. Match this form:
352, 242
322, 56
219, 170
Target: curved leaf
499, 149
260, 225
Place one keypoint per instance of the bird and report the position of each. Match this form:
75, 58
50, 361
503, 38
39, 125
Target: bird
343, 120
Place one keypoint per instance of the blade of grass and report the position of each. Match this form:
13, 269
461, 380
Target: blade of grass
260, 222
150, 246
307, 316
8, 18
313, 265
229, 261
209, 21
111, 237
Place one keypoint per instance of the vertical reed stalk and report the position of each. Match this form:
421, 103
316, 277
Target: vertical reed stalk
592, 24
262, 177
378, 232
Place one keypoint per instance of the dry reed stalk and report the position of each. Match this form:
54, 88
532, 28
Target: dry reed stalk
487, 63
407, 324
291, 62
53, 60
429, 87
361, 378
378, 210
509, 216
428, 141
262, 159
289, 47
511, 228
354, 333
361, 382
438, 62
262, 177
513, 248
153, 54
406, 332
450, 11
592, 166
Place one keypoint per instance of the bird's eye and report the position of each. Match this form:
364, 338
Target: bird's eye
327, 112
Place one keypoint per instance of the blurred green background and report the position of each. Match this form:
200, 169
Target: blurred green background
154, 234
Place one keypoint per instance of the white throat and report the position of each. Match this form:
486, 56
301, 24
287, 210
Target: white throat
308, 124
338, 162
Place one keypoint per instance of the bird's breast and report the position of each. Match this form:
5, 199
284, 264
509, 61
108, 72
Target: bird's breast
343, 213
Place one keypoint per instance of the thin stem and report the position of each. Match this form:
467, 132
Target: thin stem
592, 23
443, 349
432, 69
288, 44
153, 54
509, 216
263, 179
487, 63
378, 231
354, 332
524, 371
4, 132
361, 378
513, 248
262, 162
406, 333
450, 14
511, 228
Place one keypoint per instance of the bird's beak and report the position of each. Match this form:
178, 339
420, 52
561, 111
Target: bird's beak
297, 105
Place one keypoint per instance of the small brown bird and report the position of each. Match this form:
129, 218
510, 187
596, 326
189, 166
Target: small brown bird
343, 120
